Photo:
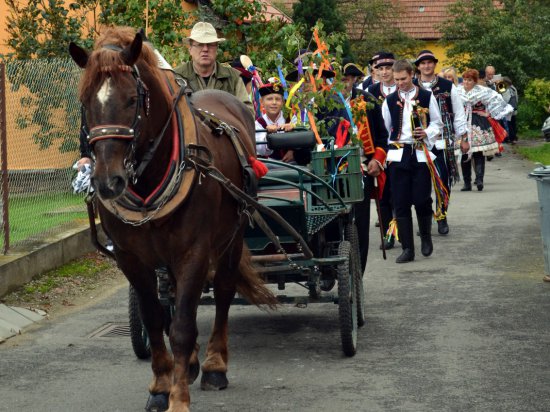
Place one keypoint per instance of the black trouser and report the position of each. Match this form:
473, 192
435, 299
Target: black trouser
441, 166
478, 162
386, 205
411, 184
362, 220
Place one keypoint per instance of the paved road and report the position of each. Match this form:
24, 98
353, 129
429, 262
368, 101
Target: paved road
465, 330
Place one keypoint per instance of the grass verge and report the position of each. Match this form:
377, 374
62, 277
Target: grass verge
539, 153
62, 286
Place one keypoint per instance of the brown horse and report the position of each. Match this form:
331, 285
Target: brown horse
159, 210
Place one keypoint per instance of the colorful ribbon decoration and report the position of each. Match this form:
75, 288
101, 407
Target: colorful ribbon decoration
281, 75
342, 133
314, 128
392, 231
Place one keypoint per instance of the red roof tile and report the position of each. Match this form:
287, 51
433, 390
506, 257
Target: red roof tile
419, 18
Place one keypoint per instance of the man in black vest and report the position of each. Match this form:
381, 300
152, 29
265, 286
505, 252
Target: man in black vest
454, 124
372, 161
383, 63
412, 118
373, 78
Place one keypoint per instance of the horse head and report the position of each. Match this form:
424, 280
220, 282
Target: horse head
115, 96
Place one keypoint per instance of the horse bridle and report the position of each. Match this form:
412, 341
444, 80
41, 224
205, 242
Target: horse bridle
121, 132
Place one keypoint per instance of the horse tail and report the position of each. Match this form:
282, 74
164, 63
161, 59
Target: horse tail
251, 285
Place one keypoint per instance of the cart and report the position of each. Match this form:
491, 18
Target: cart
317, 201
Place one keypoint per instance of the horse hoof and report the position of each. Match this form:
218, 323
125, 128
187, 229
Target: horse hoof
212, 381
193, 373
157, 402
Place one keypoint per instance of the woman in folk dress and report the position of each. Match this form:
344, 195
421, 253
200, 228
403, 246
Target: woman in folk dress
480, 103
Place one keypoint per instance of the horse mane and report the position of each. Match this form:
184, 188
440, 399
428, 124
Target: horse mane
104, 62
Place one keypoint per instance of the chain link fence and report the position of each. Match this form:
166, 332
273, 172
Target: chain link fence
39, 128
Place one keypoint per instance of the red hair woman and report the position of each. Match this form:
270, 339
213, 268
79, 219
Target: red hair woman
480, 103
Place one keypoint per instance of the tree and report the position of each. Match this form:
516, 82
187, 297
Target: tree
512, 35
371, 28
308, 12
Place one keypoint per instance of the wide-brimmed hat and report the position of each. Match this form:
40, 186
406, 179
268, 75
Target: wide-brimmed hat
351, 69
203, 32
294, 76
425, 55
383, 59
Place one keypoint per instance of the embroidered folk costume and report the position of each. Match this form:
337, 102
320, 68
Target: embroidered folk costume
380, 91
408, 158
454, 126
373, 136
479, 103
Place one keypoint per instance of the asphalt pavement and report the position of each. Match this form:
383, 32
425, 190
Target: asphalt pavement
467, 329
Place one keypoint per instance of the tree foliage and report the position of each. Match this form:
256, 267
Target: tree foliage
307, 13
512, 35
371, 24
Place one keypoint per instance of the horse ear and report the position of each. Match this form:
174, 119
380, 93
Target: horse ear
79, 55
131, 53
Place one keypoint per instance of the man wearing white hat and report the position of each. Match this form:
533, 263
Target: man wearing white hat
203, 71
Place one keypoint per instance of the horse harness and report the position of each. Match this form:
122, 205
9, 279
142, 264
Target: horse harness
194, 158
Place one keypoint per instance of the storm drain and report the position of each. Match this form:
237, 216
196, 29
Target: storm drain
111, 330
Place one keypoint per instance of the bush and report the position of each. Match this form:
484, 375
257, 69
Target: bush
533, 108
529, 116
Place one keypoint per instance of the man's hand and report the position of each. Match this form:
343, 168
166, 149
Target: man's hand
419, 133
272, 128
464, 146
373, 168
288, 127
288, 157
83, 161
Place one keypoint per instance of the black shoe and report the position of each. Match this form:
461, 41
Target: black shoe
489, 158
466, 188
498, 154
442, 227
480, 187
425, 228
406, 256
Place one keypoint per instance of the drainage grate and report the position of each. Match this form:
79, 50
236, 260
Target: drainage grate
111, 330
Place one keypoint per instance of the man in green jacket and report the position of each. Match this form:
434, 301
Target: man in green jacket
203, 71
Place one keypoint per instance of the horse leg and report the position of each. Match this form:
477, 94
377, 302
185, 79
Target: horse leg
214, 368
144, 282
183, 332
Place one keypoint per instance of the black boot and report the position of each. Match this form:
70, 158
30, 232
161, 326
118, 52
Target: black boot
386, 216
405, 233
466, 175
425, 227
480, 172
442, 226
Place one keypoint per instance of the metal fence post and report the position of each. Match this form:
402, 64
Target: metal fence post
4, 159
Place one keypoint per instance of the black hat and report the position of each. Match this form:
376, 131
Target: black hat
383, 59
375, 57
238, 65
294, 76
271, 88
351, 69
425, 55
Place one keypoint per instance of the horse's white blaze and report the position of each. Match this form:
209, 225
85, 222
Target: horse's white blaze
104, 93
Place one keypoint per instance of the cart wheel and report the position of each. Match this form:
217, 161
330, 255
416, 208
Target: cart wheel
347, 305
138, 334
352, 236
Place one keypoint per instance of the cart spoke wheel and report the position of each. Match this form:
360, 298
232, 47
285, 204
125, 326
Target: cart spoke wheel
352, 236
347, 305
138, 333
